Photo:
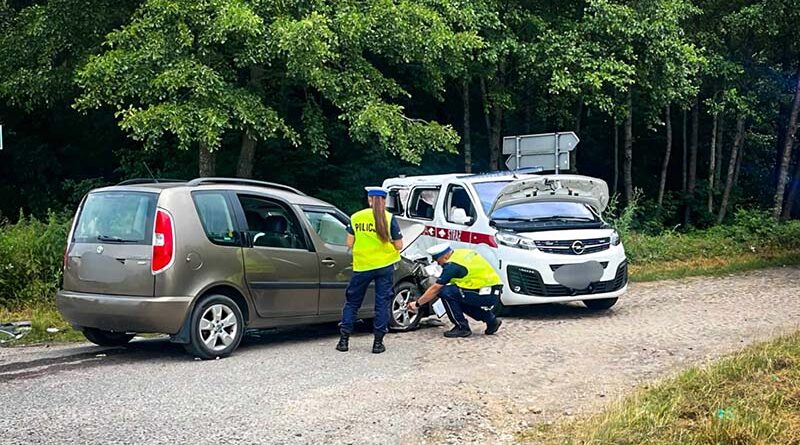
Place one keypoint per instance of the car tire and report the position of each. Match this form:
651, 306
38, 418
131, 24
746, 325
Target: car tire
106, 338
602, 304
400, 319
216, 327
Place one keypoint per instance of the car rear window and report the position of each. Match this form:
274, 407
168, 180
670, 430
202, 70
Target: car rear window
116, 217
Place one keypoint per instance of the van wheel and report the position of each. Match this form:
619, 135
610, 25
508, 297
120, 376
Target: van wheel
601, 304
106, 338
216, 327
401, 320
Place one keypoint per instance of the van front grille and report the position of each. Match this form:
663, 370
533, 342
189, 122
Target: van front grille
574, 247
529, 282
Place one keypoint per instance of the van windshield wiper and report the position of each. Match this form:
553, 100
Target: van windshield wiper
547, 218
114, 239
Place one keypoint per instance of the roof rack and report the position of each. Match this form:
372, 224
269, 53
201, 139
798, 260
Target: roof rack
135, 181
240, 181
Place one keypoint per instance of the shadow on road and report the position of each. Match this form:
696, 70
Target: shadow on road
555, 311
161, 350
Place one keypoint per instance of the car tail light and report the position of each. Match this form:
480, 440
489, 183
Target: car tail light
66, 256
163, 242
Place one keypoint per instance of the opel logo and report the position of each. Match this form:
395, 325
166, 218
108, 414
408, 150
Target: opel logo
578, 247
100, 249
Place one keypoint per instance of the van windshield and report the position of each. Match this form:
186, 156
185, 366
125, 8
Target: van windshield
533, 213
116, 217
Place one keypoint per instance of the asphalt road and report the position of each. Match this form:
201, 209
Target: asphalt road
292, 387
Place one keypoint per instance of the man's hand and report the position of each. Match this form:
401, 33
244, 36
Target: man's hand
412, 306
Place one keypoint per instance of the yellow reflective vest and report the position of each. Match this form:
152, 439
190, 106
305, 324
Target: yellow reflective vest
369, 252
480, 273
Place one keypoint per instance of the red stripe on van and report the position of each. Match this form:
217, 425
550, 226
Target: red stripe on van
463, 236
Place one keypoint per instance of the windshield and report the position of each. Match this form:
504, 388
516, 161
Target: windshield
530, 211
122, 217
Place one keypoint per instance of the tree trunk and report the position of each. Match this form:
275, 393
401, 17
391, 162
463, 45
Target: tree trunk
691, 182
739, 161
712, 162
794, 190
487, 109
494, 144
247, 154
573, 155
726, 194
788, 143
467, 130
627, 165
720, 144
664, 165
616, 156
207, 161
685, 154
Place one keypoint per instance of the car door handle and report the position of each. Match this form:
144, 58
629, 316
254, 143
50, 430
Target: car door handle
329, 262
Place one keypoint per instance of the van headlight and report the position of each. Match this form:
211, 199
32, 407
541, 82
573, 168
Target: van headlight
511, 240
614, 238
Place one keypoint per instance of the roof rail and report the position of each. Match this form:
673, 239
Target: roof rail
240, 181
135, 181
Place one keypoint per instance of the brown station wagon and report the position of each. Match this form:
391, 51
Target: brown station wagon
206, 259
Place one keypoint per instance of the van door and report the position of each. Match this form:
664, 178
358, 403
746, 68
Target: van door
329, 233
458, 215
422, 209
281, 269
110, 249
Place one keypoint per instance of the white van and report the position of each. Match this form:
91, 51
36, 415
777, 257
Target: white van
543, 233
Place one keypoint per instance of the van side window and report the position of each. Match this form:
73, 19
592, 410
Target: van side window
395, 203
216, 217
458, 206
270, 224
422, 202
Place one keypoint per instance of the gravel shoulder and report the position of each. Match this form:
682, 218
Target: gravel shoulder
291, 386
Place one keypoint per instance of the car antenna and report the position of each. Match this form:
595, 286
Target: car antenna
150, 172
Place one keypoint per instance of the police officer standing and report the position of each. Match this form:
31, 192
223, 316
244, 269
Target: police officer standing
376, 241
468, 285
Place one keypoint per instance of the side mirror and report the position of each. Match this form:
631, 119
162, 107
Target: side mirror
459, 216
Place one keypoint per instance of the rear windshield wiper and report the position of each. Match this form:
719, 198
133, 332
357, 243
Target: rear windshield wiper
114, 239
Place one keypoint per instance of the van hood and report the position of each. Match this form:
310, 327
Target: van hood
554, 188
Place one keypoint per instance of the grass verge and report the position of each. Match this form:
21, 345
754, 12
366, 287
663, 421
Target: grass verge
41, 317
752, 397
711, 266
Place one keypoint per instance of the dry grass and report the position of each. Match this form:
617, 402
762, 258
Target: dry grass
750, 398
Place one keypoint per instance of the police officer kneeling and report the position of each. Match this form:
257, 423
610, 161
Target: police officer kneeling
468, 285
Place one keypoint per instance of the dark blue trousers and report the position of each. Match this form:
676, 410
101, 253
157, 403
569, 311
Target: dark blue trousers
459, 301
357, 289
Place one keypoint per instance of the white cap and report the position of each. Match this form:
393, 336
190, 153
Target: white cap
439, 250
376, 191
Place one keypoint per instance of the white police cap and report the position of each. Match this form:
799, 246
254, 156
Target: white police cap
376, 191
439, 250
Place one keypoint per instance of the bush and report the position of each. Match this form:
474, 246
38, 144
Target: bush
31, 258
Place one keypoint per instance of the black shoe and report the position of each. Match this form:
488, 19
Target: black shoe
344, 343
457, 332
492, 327
377, 345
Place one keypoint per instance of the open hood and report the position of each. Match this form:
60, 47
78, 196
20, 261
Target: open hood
549, 188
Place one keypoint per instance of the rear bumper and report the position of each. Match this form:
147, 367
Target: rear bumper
123, 313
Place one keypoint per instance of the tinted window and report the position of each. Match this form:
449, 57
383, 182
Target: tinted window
123, 217
328, 226
395, 203
422, 202
270, 224
458, 198
216, 217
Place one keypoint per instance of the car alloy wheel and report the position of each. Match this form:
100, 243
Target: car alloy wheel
218, 327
